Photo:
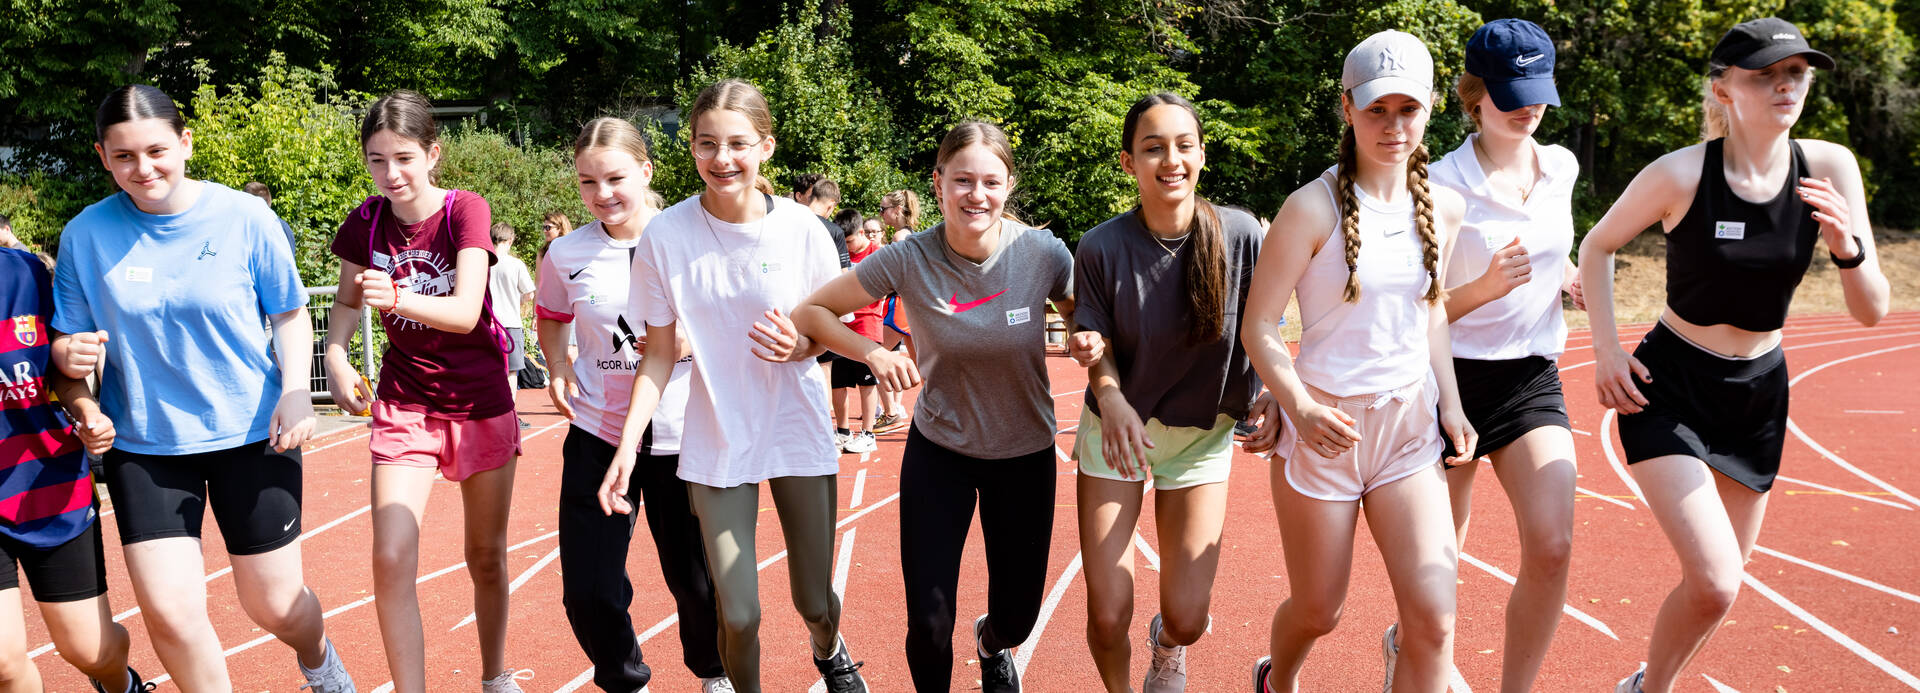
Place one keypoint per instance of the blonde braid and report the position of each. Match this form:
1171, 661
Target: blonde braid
1349, 213
1423, 220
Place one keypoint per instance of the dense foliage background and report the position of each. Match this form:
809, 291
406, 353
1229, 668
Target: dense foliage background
863, 89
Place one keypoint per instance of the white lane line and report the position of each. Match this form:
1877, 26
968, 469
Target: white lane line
846, 555
1719, 687
1025, 653
1456, 683
1830, 489
336, 443
1597, 496
1613, 458
1153, 559
1843, 464
1584, 433
516, 584
363, 601
1833, 633
1875, 411
859, 487
1855, 579
1073, 392
1577, 614
845, 562
1791, 347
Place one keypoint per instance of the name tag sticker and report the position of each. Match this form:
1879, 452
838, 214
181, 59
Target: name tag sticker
140, 274
1020, 315
1730, 230
769, 267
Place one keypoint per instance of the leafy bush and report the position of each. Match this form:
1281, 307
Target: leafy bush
521, 183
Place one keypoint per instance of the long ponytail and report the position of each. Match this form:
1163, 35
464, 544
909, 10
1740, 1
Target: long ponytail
1422, 189
1349, 212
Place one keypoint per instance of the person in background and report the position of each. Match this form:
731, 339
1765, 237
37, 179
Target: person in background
260, 190
7, 239
849, 374
512, 293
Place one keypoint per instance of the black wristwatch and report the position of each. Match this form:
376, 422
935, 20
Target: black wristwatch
1851, 262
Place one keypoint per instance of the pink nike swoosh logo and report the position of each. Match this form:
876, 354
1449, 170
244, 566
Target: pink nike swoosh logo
959, 307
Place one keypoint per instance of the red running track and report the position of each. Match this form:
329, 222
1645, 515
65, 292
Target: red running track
1830, 603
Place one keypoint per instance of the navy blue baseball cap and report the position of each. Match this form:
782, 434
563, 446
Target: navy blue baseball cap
1515, 59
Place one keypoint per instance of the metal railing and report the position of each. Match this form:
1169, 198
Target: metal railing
319, 306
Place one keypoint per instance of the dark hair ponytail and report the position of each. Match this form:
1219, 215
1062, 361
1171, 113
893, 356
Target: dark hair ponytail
136, 102
1204, 277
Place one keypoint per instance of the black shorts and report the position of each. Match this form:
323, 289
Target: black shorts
1508, 398
1729, 413
69, 572
850, 373
255, 493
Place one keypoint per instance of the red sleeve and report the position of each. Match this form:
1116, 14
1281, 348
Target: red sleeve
350, 242
472, 224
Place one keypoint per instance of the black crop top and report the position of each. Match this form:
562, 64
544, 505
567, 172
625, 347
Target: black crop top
1734, 262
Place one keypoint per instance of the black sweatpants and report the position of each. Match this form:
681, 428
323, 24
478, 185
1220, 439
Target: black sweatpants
593, 564
938, 491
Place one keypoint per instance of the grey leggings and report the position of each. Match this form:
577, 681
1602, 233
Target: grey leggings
808, 507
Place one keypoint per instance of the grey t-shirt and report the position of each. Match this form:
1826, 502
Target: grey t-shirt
980, 333
1132, 291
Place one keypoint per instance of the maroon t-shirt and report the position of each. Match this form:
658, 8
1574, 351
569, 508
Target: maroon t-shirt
448, 375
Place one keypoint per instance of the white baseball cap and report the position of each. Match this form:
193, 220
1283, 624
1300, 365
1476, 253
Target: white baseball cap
1389, 62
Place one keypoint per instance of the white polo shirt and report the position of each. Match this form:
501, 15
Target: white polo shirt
1527, 321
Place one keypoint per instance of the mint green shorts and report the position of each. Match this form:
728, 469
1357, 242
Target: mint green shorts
1181, 456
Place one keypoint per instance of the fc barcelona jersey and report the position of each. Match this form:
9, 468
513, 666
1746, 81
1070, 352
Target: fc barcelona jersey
46, 492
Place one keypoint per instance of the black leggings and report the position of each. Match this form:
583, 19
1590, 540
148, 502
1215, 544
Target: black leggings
938, 490
593, 564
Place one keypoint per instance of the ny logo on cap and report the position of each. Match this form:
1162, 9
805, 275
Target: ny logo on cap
1390, 61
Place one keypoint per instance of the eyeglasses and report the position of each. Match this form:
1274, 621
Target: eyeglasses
707, 149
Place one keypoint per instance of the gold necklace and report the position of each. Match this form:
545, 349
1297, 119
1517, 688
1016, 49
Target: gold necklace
1525, 192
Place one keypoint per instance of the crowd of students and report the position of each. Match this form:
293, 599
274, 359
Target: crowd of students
694, 346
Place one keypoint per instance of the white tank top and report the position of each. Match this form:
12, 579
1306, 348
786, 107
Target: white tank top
1378, 343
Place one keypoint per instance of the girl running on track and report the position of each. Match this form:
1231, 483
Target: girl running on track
980, 283
900, 213
1703, 399
420, 254
1507, 329
48, 525
720, 267
171, 257
584, 283
1363, 247
1162, 285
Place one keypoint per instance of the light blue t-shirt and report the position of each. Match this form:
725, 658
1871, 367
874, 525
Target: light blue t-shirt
181, 296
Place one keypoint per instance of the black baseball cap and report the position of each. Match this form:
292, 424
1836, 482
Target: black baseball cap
1514, 57
1762, 42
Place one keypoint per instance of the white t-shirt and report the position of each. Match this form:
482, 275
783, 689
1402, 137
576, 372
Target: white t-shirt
1528, 321
1378, 343
508, 284
585, 281
748, 420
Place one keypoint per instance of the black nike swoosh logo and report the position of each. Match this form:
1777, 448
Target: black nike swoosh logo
576, 275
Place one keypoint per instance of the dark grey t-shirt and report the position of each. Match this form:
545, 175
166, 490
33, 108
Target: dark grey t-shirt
980, 333
1131, 291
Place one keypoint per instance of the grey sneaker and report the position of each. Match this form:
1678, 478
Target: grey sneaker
997, 672
1389, 651
1168, 672
1631, 684
331, 677
507, 682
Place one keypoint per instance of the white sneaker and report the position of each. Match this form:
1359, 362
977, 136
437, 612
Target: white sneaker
507, 681
1389, 652
331, 677
717, 684
860, 443
1168, 672
1631, 684
840, 439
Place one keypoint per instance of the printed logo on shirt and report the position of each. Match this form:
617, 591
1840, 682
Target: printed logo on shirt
26, 332
1730, 230
1021, 315
19, 389
141, 275
423, 272
958, 307
623, 336
206, 250
769, 267
576, 274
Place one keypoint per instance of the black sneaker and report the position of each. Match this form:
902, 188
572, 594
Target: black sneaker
841, 673
997, 673
1261, 669
138, 686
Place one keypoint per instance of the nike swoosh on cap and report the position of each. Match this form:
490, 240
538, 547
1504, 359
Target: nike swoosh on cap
959, 307
1523, 62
